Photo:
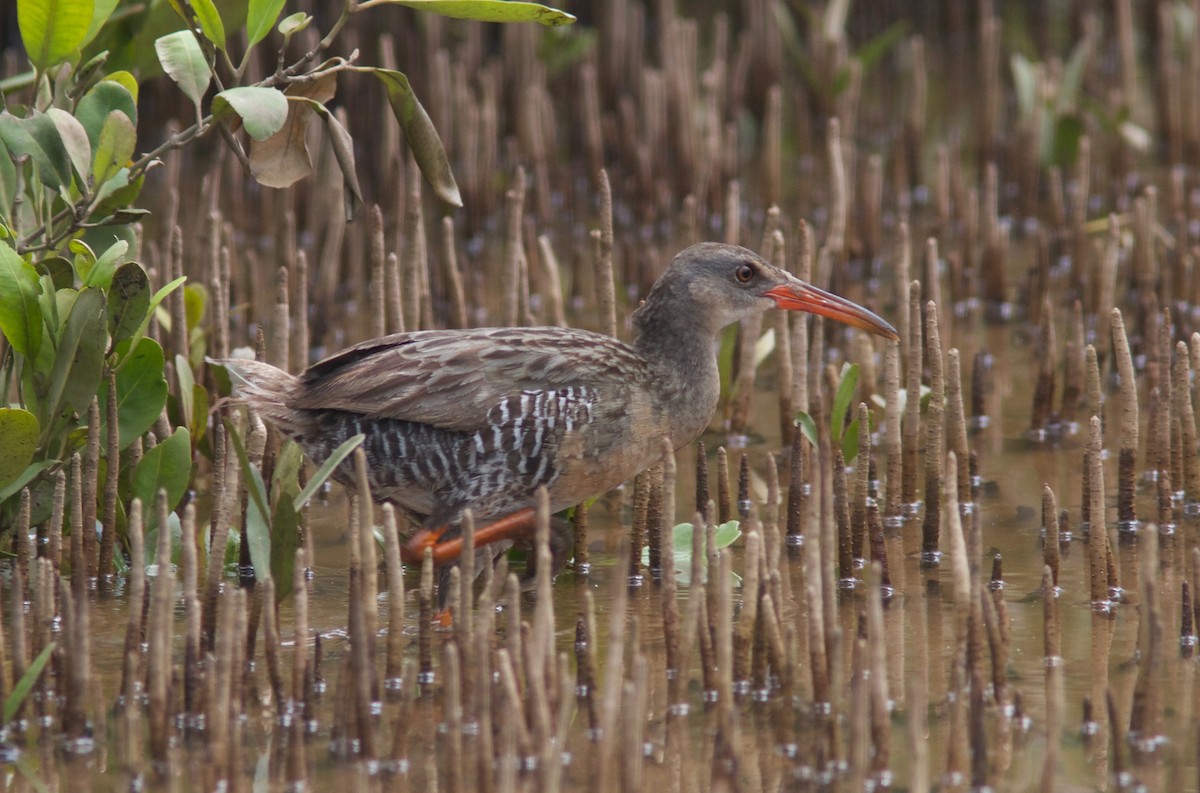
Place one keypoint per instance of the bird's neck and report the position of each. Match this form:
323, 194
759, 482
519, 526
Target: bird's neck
679, 345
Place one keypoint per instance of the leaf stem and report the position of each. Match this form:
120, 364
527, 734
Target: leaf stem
201, 128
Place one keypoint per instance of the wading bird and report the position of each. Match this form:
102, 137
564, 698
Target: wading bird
480, 419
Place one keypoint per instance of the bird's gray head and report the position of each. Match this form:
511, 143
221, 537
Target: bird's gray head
718, 285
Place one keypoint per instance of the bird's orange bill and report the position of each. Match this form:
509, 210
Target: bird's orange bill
507, 527
799, 296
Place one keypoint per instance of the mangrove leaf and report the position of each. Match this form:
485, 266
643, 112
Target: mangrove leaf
183, 61
168, 466
128, 301
75, 141
20, 315
209, 20
260, 16
103, 98
75, 376
326, 470
19, 433
263, 110
118, 139
422, 136
141, 391
52, 30
492, 11
37, 137
12, 703
258, 521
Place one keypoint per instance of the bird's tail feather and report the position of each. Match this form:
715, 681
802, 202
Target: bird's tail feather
263, 388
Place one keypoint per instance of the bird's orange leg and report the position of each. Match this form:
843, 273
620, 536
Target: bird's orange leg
413, 551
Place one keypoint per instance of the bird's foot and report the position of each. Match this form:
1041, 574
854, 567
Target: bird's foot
413, 551
449, 550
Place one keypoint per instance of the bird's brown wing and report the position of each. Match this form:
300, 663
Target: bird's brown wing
451, 379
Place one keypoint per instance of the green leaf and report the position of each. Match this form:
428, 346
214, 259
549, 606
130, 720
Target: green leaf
850, 441
841, 400
343, 152
728, 343
115, 197
258, 522
52, 323
105, 97
79, 360
682, 536
8, 186
785, 25
38, 138
492, 11
62, 274
168, 466
210, 23
86, 71
20, 315
926, 395
260, 16
125, 79
564, 49
764, 347
1067, 96
263, 110
118, 139
294, 23
285, 539
167, 289
195, 298
75, 141
19, 433
53, 29
1024, 84
879, 46
141, 391
326, 470
101, 11
12, 703
61, 303
285, 482
85, 257
183, 61
27, 476
727, 534
422, 136
158, 297
199, 423
102, 270
808, 427
128, 301
187, 384
285, 518
1064, 148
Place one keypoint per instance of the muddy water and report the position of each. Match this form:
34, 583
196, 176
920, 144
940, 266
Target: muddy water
918, 621
1098, 648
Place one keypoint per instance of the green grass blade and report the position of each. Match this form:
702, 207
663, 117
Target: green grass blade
326, 470
21, 690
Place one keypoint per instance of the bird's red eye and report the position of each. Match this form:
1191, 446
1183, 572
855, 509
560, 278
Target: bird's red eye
744, 273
